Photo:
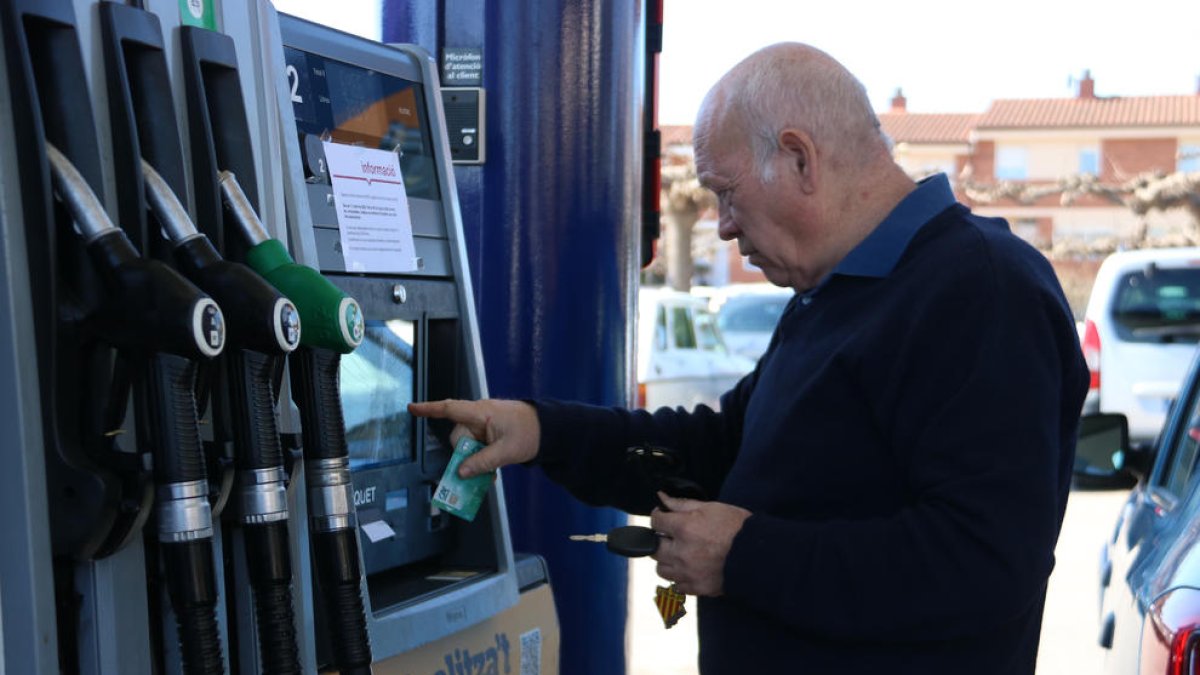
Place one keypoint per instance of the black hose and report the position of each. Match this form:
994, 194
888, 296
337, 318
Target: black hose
332, 532
167, 418
259, 460
271, 581
338, 575
192, 589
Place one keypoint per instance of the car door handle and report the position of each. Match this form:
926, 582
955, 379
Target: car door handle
1107, 628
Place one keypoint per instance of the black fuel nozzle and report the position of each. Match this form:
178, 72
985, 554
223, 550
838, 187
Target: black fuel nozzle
150, 309
260, 317
264, 326
148, 304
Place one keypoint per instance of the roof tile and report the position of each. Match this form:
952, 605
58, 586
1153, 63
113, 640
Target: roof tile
908, 127
1131, 111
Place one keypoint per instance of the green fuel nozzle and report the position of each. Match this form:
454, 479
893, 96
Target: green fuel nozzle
333, 325
331, 319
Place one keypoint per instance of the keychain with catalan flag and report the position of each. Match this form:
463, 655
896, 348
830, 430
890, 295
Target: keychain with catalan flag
660, 468
635, 541
670, 604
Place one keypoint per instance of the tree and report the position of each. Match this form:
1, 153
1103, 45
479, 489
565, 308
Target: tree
1142, 194
683, 201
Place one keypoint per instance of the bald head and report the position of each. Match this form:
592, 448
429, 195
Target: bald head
788, 142
792, 85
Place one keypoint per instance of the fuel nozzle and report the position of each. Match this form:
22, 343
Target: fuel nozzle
332, 319
148, 304
333, 325
260, 317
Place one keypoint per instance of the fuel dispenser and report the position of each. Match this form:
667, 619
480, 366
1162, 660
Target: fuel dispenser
427, 575
215, 469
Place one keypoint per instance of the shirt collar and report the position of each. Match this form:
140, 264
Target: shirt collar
876, 256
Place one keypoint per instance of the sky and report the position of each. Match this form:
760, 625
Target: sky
946, 55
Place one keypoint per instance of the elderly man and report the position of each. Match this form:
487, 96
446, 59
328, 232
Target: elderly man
890, 481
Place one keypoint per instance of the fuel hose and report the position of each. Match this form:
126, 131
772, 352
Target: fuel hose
333, 325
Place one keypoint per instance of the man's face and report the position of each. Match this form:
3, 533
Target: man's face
766, 218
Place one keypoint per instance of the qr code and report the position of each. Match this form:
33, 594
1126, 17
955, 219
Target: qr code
531, 652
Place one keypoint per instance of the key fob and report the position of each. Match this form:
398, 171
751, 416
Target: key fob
632, 541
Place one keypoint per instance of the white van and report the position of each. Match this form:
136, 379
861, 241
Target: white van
681, 357
1140, 331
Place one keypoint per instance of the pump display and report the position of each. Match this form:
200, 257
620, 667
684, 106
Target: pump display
210, 354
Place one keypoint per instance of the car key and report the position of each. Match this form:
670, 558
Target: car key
635, 541
631, 541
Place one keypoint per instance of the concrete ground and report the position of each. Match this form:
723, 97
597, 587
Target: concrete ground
1069, 627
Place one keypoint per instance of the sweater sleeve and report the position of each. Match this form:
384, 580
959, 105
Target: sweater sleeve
983, 404
583, 447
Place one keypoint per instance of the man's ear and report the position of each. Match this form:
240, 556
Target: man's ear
798, 147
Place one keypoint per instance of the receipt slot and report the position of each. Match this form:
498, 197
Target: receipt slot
373, 174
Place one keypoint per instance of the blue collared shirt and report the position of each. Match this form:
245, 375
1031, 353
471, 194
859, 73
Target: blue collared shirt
877, 255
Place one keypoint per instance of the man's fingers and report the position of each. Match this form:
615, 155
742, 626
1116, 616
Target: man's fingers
679, 505
457, 433
480, 462
665, 523
469, 413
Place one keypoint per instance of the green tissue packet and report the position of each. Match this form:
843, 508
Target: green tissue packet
459, 496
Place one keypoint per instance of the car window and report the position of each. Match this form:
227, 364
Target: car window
707, 336
758, 315
660, 329
1182, 453
681, 326
1158, 304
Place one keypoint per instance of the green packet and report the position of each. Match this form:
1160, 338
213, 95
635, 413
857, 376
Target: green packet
462, 496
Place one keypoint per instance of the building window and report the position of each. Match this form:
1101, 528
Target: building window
1012, 163
1189, 158
1030, 230
1089, 161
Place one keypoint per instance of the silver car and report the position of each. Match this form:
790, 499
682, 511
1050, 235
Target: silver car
748, 317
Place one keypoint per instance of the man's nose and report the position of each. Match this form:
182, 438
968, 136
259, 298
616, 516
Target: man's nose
727, 228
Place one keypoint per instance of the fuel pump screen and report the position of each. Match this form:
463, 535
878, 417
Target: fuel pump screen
353, 105
376, 383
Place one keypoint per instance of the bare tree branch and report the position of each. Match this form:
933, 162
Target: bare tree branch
1142, 194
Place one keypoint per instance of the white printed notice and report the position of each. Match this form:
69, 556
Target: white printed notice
372, 209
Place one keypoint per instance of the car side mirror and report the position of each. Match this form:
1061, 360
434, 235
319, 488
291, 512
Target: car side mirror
1102, 451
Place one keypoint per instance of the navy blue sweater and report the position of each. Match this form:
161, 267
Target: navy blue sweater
905, 446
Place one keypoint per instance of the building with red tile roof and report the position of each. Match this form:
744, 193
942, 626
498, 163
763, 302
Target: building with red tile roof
1026, 148
1012, 159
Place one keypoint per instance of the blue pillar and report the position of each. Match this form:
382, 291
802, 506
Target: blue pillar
552, 224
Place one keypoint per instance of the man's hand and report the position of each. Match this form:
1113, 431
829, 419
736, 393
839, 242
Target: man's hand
696, 538
509, 430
